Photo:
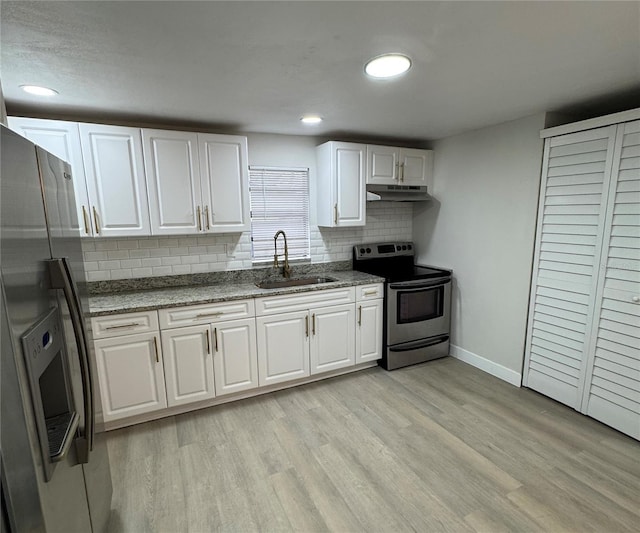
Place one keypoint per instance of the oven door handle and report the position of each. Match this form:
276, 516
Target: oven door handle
422, 343
420, 284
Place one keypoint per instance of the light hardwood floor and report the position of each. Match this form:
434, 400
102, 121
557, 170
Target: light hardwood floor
440, 446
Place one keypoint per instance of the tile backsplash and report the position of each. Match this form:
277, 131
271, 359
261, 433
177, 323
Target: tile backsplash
139, 257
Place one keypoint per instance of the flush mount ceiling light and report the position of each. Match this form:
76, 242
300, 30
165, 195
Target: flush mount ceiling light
387, 66
311, 119
38, 91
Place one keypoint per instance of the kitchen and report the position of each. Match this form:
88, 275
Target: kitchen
482, 177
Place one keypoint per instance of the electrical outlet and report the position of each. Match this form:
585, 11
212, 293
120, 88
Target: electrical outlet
230, 251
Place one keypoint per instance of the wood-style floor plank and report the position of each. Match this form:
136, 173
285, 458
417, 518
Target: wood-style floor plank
440, 446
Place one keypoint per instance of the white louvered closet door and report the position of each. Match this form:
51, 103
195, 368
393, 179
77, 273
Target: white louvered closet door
612, 391
571, 218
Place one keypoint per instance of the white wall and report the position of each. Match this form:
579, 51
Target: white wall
160, 256
482, 225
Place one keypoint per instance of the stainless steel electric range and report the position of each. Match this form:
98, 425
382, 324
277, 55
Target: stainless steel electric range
417, 303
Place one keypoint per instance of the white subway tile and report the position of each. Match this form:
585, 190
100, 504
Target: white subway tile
124, 273
148, 243
142, 272
90, 266
109, 265
130, 244
189, 259
95, 256
181, 269
118, 254
170, 261
138, 254
130, 263
151, 262
99, 275
161, 271
104, 245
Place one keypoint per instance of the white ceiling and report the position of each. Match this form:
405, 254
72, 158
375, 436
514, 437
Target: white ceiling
258, 66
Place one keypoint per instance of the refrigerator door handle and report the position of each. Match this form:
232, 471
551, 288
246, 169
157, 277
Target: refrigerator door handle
61, 278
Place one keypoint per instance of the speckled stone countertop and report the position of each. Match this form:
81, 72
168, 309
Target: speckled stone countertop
235, 289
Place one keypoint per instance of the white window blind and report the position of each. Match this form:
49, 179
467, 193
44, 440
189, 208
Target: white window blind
279, 201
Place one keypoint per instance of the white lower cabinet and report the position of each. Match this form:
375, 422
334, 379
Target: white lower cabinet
332, 338
151, 360
235, 359
131, 375
188, 365
283, 347
369, 331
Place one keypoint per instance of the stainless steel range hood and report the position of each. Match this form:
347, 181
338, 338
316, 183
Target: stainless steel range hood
397, 193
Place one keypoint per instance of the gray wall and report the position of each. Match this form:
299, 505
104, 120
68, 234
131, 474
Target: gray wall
482, 225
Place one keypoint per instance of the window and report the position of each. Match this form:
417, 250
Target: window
279, 201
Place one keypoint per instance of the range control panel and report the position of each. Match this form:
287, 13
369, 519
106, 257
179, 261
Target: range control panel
377, 250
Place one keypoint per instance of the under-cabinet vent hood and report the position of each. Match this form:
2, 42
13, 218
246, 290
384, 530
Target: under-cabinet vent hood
397, 193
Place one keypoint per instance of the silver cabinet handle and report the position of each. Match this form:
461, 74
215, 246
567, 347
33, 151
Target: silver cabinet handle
206, 216
360, 316
199, 218
155, 345
306, 325
129, 325
215, 338
208, 342
205, 315
397, 176
335, 214
401, 171
370, 292
313, 324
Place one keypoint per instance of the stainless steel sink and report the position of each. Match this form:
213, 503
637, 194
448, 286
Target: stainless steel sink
279, 284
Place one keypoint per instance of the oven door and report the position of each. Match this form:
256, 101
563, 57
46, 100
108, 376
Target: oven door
418, 309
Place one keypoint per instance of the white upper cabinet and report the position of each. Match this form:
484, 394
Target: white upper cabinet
114, 168
225, 183
173, 181
62, 140
391, 165
341, 184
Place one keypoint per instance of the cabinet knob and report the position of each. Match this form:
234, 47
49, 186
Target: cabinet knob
635, 299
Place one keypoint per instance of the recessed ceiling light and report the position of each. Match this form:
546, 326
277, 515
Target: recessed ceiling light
38, 91
387, 65
311, 119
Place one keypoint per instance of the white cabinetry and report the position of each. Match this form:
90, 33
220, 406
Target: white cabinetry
332, 338
583, 338
188, 365
224, 169
173, 181
283, 347
306, 333
235, 359
198, 183
369, 309
130, 367
114, 169
62, 139
219, 342
341, 184
392, 165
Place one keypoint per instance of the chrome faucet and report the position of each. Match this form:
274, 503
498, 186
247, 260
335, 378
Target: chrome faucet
286, 269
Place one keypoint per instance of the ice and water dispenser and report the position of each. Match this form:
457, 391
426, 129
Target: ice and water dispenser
55, 414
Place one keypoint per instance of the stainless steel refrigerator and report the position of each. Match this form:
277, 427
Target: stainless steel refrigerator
54, 467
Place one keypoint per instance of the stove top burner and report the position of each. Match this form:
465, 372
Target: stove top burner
393, 261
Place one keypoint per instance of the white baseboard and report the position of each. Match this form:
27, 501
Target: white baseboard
499, 371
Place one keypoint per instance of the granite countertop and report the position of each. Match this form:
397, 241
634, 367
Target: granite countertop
160, 298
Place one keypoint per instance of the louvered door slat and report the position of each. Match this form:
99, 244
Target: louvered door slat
570, 223
612, 390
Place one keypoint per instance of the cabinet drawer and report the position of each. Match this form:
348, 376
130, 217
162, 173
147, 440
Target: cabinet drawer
124, 324
206, 313
297, 302
369, 292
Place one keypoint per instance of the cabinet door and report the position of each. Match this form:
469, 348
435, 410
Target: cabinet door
350, 185
188, 364
62, 139
114, 168
130, 374
612, 391
173, 181
573, 199
369, 331
383, 165
235, 356
416, 167
332, 338
225, 183
283, 347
